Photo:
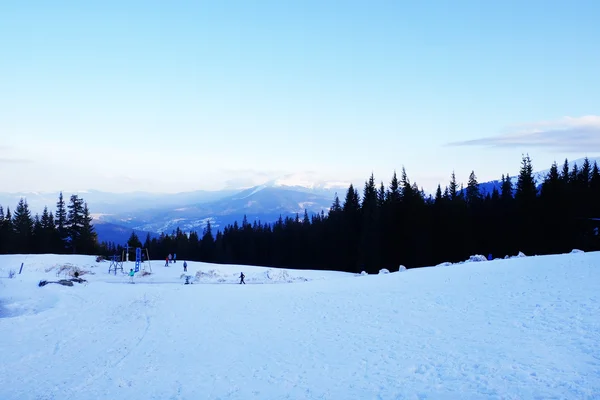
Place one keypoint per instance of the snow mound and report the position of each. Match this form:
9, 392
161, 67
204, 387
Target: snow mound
363, 273
281, 275
384, 271
444, 264
211, 274
401, 268
577, 251
477, 258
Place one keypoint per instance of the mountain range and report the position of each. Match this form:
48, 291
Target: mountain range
116, 215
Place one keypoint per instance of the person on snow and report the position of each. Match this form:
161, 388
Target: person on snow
174, 258
167, 262
185, 266
242, 276
170, 257
131, 274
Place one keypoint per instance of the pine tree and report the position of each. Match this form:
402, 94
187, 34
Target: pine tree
407, 190
134, 241
61, 224
75, 222
473, 193
335, 207
38, 235
48, 236
506, 189
207, 243
23, 227
2, 233
148, 241
495, 194
8, 233
305, 219
438, 195
352, 201
552, 184
526, 188
381, 195
453, 188
394, 194
565, 175
594, 191
369, 241
88, 237
585, 174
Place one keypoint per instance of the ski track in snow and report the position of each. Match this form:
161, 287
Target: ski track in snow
526, 328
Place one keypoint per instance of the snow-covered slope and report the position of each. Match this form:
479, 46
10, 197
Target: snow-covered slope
519, 328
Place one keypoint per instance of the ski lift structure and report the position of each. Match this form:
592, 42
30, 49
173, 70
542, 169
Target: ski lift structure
117, 260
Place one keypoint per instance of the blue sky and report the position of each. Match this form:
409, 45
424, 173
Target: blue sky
177, 96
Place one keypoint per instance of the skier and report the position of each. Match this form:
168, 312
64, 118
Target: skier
185, 266
242, 276
170, 257
131, 274
174, 258
166, 261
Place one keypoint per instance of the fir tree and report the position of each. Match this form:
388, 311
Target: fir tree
552, 183
473, 193
453, 187
74, 222
3, 239
61, 224
506, 190
381, 195
565, 175
88, 237
23, 227
134, 241
207, 243
148, 241
394, 194
369, 247
526, 188
335, 207
407, 190
438, 195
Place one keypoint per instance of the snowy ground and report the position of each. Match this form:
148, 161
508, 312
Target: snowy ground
514, 329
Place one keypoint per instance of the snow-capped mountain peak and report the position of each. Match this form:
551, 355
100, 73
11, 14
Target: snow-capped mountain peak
306, 180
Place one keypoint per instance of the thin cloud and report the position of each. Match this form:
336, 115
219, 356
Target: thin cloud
568, 134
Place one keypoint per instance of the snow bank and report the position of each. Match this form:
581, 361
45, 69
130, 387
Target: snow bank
384, 271
577, 251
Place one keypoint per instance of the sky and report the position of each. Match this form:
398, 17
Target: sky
177, 96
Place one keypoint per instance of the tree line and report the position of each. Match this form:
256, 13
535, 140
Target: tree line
396, 224
68, 230
383, 226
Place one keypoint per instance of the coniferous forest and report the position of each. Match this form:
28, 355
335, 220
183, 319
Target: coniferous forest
377, 226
